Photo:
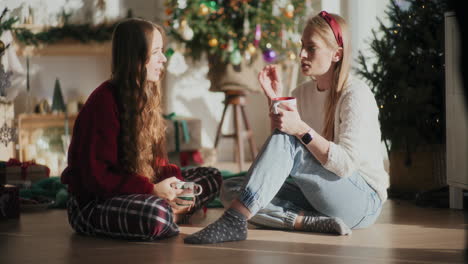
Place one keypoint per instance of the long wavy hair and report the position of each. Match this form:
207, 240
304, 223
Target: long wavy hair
141, 142
341, 70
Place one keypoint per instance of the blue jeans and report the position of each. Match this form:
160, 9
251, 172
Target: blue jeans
314, 189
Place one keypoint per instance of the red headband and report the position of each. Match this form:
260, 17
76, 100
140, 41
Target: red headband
334, 26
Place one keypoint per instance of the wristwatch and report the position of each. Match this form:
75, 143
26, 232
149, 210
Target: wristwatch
307, 137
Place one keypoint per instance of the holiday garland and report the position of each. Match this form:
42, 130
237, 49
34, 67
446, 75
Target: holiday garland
6, 25
84, 33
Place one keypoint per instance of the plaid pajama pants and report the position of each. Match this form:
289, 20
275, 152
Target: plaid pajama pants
139, 216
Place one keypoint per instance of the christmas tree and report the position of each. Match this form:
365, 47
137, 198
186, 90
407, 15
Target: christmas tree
58, 105
407, 74
236, 30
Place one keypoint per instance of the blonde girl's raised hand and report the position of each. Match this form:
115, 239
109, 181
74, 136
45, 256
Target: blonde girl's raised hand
270, 81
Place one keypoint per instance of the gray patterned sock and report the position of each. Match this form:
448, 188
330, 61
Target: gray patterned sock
231, 226
325, 224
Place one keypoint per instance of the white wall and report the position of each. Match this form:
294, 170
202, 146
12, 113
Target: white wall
78, 75
362, 16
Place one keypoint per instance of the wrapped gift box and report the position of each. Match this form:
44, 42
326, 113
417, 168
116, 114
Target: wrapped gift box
15, 172
183, 134
9, 202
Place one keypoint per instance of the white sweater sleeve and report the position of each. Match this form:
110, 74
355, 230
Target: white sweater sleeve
355, 113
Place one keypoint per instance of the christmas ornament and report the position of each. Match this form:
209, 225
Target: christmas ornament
187, 32
235, 58
182, 4
177, 64
7, 134
289, 11
291, 55
230, 46
258, 34
246, 24
269, 55
213, 42
212, 5
251, 49
175, 24
283, 36
169, 52
204, 10
247, 56
275, 11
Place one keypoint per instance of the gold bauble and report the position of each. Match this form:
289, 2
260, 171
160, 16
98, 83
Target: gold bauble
291, 55
251, 49
204, 10
213, 42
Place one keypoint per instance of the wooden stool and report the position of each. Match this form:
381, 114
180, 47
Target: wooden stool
237, 100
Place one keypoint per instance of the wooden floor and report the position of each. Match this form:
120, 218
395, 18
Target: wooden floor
403, 234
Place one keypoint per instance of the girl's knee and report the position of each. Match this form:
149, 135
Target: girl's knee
163, 225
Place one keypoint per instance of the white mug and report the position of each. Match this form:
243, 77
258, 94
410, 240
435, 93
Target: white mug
278, 101
189, 196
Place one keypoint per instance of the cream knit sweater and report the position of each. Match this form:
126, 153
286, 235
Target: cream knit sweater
357, 143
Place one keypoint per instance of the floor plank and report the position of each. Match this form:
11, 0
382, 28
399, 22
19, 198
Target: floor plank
403, 234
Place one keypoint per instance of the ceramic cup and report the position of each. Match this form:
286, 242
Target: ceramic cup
196, 190
278, 101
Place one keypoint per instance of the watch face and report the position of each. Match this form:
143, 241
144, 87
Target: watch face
307, 138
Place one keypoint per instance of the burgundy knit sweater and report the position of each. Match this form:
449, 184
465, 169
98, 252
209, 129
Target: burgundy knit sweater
93, 168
